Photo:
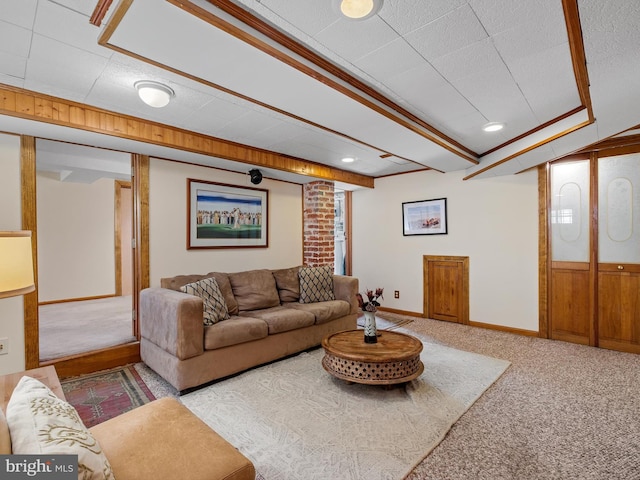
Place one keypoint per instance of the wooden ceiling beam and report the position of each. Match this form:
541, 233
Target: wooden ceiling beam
38, 107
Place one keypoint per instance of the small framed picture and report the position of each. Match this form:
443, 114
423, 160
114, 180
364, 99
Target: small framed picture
425, 217
226, 216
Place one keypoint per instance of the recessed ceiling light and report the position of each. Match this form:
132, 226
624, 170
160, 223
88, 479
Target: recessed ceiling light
154, 94
493, 127
348, 159
357, 9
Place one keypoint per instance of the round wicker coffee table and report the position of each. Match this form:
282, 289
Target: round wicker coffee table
395, 358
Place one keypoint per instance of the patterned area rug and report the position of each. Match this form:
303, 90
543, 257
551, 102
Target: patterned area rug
103, 395
293, 420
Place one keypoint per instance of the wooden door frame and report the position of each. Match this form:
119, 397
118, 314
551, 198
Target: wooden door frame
99, 359
117, 234
464, 316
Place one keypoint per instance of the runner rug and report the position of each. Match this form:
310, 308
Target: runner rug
103, 395
293, 420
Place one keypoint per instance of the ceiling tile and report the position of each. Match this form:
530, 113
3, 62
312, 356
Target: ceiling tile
14, 40
528, 39
500, 15
548, 82
353, 40
13, 65
391, 60
447, 34
310, 18
408, 15
478, 56
68, 26
19, 13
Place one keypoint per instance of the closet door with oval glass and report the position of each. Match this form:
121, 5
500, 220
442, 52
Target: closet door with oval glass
619, 253
570, 294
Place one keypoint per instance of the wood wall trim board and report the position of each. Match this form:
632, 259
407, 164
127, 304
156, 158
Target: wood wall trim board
401, 312
29, 222
102, 7
502, 328
544, 249
79, 299
21, 103
95, 361
578, 56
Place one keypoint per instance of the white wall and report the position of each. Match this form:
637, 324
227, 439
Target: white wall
75, 239
168, 223
11, 309
492, 221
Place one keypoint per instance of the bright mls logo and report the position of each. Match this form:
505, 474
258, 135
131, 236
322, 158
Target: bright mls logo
50, 467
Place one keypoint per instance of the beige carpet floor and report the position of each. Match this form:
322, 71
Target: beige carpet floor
74, 327
561, 411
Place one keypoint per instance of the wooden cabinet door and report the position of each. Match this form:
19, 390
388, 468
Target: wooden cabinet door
570, 306
446, 288
619, 307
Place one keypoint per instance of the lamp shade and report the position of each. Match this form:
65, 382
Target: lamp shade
16, 264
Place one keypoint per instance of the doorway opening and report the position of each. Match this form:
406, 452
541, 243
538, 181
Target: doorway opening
85, 268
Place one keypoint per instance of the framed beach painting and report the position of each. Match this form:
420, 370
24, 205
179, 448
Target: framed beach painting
425, 217
226, 216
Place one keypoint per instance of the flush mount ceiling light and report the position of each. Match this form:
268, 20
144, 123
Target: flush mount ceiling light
348, 159
493, 127
154, 94
357, 9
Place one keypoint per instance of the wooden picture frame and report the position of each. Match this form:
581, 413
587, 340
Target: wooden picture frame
425, 217
220, 215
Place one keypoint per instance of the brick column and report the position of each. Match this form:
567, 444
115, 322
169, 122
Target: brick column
318, 224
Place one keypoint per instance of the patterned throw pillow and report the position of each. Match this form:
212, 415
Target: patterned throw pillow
316, 284
43, 424
215, 308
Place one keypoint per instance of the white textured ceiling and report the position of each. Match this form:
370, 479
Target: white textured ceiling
453, 65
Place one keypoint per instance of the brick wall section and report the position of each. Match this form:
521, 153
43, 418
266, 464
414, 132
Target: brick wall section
319, 215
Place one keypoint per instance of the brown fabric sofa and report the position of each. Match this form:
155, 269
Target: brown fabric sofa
160, 440
267, 322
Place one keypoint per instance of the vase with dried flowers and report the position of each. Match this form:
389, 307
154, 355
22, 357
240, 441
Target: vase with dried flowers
369, 308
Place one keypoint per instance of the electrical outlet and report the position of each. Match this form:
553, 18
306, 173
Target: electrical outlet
4, 346
396, 294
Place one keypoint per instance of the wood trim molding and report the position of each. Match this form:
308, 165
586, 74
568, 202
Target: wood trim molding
102, 7
543, 251
578, 56
29, 105
141, 258
117, 233
95, 361
501, 328
80, 299
29, 222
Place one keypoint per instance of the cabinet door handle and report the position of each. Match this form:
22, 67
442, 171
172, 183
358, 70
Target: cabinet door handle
620, 267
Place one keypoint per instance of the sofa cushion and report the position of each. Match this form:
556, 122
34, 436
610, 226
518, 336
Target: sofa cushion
214, 306
254, 289
280, 319
316, 284
41, 423
234, 331
323, 311
174, 283
288, 284
227, 291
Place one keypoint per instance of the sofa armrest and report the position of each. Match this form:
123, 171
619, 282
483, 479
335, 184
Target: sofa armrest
173, 321
165, 440
346, 288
